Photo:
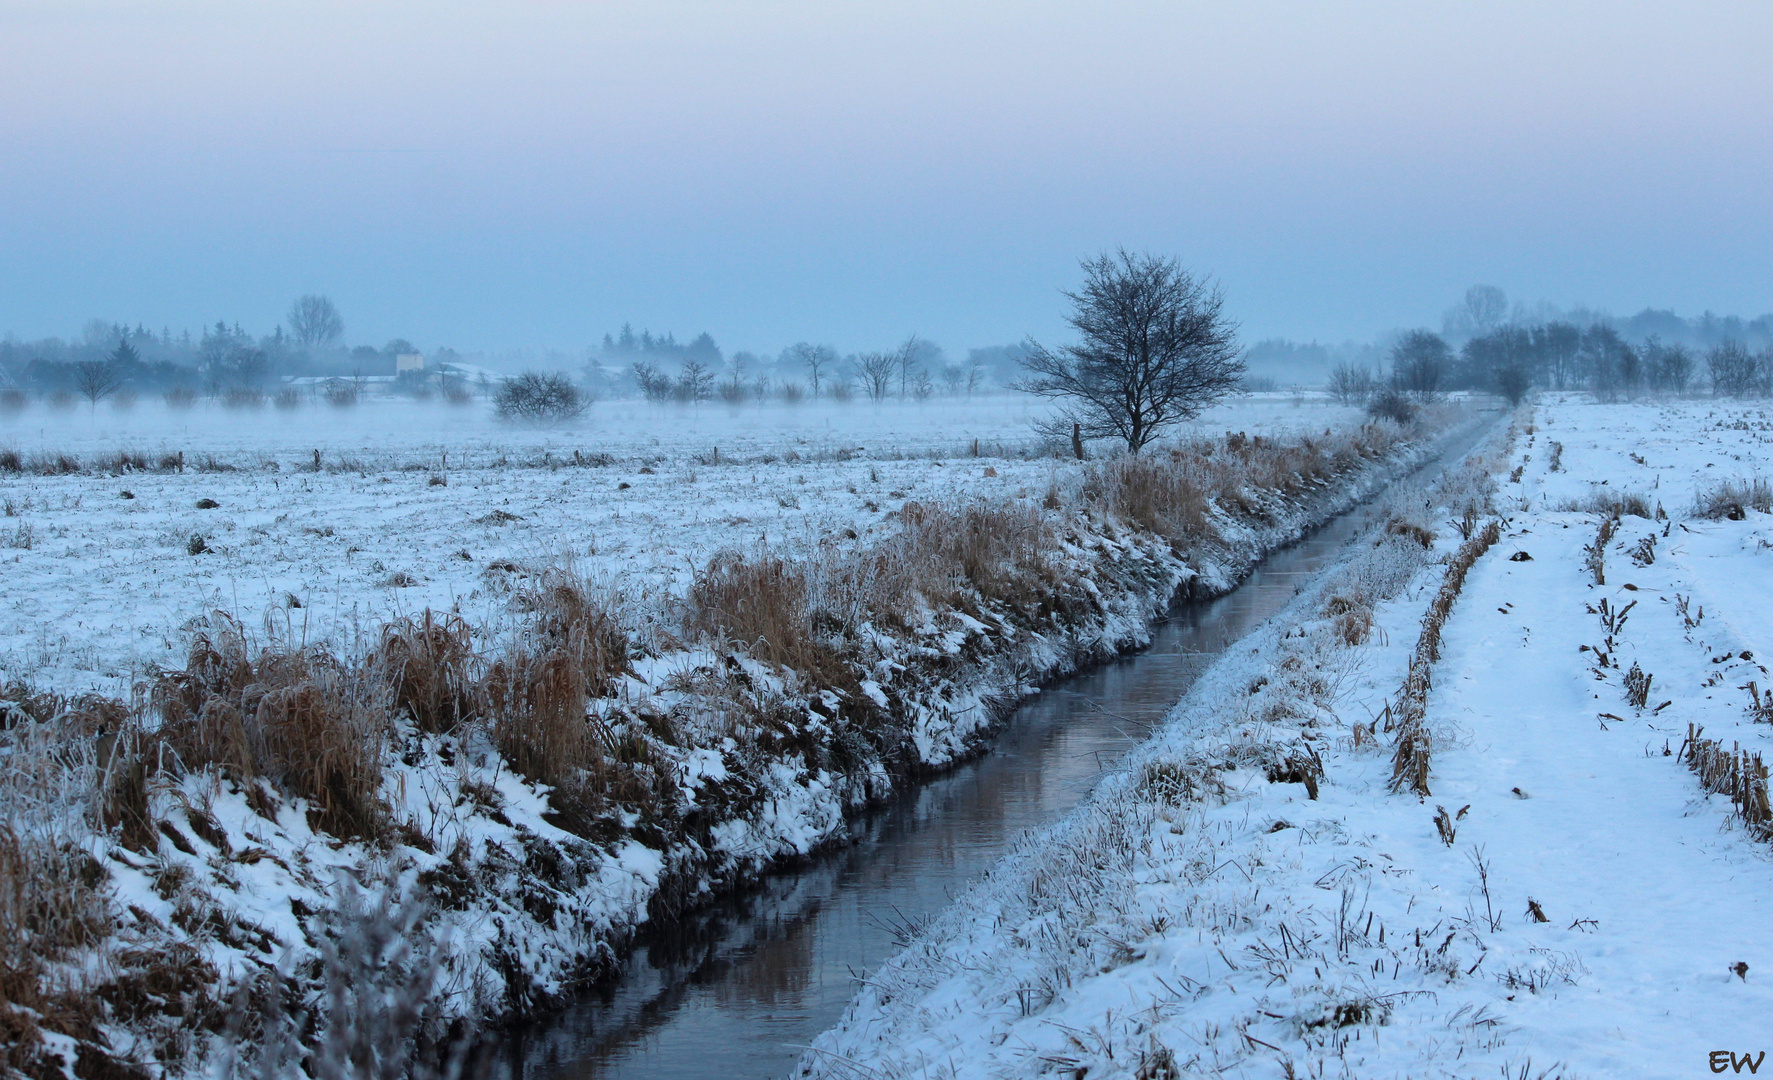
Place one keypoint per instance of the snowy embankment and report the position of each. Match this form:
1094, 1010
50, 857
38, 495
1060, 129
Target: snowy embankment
1565, 900
205, 831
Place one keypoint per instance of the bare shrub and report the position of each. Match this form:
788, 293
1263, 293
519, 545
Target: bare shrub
243, 397
287, 398
1392, 404
342, 395
1353, 618
296, 717
10, 462
537, 396
180, 397
13, 400
1615, 504
376, 1014
1732, 499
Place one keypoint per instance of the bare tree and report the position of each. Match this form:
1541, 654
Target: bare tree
654, 384
1732, 369
314, 322
695, 383
96, 380
1350, 384
905, 363
875, 369
815, 358
1421, 363
1558, 343
1156, 349
1483, 310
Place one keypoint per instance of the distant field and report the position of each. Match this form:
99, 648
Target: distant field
427, 505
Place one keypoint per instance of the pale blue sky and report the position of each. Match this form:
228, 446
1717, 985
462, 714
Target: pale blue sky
484, 175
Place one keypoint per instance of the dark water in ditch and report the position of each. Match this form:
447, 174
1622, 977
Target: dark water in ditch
738, 991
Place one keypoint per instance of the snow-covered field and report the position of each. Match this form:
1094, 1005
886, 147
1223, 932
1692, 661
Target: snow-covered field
420, 505
1584, 908
211, 821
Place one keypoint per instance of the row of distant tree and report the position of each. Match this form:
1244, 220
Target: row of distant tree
311, 342
915, 369
1511, 360
1485, 311
222, 357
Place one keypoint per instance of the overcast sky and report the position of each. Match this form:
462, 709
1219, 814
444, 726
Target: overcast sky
494, 174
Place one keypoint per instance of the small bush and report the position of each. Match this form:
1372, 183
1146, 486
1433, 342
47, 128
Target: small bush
1392, 404
10, 462
61, 400
341, 395
1615, 504
180, 397
457, 394
1732, 499
124, 399
287, 398
1409, 530
244, 397
12, 400
537, 396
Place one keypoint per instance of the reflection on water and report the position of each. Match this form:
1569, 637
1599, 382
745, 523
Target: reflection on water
738, 991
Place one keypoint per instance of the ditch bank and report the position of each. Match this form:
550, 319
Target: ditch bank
213, 824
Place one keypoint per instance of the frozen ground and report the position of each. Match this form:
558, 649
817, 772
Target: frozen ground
1257, 932
419, 505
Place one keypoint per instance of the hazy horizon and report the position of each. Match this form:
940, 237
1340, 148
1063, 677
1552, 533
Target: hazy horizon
538, 175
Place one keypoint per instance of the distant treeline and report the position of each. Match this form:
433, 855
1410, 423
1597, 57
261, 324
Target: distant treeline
1485, 344
220, 358
115, 358
661, 369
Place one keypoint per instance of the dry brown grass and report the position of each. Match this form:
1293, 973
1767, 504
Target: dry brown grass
1735, 773
762, 604
1002, 552
536, 694
1413, 750
50, 907
1732, 499
1352, 618
431, 667
298, 718
1162, 497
